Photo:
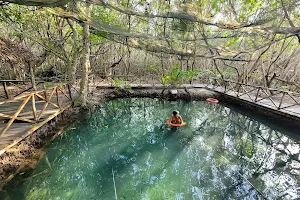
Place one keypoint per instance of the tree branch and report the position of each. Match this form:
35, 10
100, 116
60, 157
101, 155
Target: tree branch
289, 19
45, 3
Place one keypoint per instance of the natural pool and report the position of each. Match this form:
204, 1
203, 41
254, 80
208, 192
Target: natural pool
125, 150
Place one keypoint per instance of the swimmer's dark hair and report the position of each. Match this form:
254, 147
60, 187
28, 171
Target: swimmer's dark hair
175, 112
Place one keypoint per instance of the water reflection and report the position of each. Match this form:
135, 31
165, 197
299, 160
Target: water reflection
220, 154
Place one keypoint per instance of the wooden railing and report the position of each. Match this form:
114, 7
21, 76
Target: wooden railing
34, 107
12, 88
280, 99
270, 97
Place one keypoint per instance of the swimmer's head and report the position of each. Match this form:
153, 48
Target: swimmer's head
175, 112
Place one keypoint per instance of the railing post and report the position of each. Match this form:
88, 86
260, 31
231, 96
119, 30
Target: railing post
70, 93
5, 90
34, 107
281, 100
238, 90
57, 96
257, 95
152, 80
45, 92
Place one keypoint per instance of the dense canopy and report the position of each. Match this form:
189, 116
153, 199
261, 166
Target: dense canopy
246, 40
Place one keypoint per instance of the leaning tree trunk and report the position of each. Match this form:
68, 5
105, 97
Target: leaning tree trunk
86, 60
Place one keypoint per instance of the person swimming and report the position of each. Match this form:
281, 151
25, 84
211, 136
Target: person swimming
176, 118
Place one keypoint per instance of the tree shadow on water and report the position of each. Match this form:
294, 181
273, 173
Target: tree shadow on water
165, 139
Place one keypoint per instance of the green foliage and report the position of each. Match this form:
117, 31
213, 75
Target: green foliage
175, 76
49, 85
117, 82
128, 86
17, 35
78, 102
207, 73
96, 39
284, 87
229, 73
153, 69
182, 25
216, 5
248, 149
233, 41
105, 16
120, 83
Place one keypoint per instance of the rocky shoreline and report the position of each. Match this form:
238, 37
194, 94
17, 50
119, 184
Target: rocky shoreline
100, 93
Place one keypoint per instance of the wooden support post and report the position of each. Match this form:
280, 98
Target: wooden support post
61, 103
281, 100
45, 92
33, 107
69, 90
152, 80
5, 90
255, 100
32, 76
238, 90
57, 96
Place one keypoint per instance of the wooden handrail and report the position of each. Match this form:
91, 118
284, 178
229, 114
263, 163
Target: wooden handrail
255, 86
25, 95
5, 90
260, 90
59, 92
8, 93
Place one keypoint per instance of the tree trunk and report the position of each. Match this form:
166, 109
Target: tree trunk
86, 60
72, 64
32, 76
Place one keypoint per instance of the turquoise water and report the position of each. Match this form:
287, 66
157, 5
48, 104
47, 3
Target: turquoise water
125, 150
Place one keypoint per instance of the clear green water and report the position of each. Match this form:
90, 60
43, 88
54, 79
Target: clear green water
220, 154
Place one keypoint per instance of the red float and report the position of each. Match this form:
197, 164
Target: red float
212, 100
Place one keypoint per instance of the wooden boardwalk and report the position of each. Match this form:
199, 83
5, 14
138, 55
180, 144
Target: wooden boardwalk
288, 107
24, 114
280, 101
